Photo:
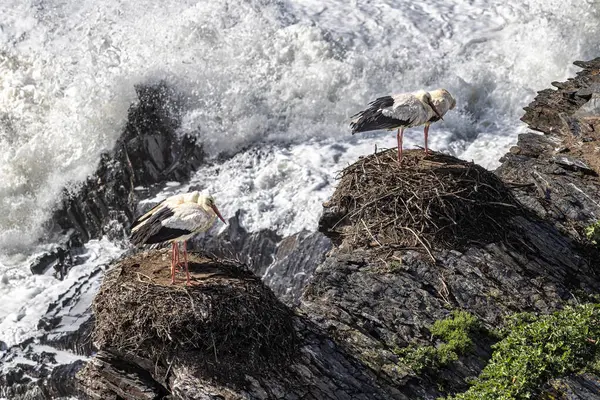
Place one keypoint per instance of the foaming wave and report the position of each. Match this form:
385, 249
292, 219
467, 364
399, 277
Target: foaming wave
255, 71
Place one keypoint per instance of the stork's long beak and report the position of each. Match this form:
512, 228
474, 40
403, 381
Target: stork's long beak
216, 210
435, 110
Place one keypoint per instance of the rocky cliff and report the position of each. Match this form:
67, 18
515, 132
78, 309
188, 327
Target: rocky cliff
444, 279
437, 267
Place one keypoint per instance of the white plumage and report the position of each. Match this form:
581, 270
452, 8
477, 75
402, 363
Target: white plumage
404, 110
174, 220
409, 107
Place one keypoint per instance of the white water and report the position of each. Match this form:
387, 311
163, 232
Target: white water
280, 76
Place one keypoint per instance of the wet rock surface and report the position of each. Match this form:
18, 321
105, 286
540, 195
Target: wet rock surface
294, 264
255, 249
32, 372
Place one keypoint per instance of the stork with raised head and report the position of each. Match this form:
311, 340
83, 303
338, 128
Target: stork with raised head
401, 111
174, 220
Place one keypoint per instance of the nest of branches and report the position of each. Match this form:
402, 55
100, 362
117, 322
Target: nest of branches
429, 201
224, 325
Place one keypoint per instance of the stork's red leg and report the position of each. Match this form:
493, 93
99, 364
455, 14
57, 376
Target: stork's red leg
426, 132
177, 262
399, 139
185, 257
173, 247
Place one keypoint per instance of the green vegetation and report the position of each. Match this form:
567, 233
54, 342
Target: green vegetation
593, 233
454, 331
536, 349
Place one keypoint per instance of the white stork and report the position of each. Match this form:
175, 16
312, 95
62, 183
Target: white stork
405, 110
174, 220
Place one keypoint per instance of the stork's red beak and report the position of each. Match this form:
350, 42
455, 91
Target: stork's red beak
435, 110
216, 210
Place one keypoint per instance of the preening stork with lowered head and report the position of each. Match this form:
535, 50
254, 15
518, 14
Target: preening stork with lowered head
174, 220
404, 110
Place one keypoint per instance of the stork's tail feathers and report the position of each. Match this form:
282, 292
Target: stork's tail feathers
372, 119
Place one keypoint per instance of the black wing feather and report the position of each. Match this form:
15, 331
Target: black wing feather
165, 234
152, 231
145, 216
372, 119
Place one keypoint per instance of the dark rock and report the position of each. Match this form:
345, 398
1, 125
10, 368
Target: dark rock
254, 249
584, 386
68, 322
549, 184
32, 375
62, 381
296, 259
573, 164
285, 265
61, 260
375, 299
77, 341
42, 263
109, 377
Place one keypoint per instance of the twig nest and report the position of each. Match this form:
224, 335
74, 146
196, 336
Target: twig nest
429, 201
227, 323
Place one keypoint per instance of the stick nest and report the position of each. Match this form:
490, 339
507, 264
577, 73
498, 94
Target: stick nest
224, 325
429, 201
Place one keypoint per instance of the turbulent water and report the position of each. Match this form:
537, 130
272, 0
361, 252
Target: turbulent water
268, 86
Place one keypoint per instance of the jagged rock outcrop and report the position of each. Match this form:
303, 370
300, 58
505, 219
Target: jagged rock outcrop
285, 264
555, 174
384, 296
149, 152
41, 376
294, 263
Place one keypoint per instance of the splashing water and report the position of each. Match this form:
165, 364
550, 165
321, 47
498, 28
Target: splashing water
260, 71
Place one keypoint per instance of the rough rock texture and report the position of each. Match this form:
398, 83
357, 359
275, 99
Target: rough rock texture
36, 374
45, 367
285, 264
255, 249
295, 261
555, 173
385, 298
584, 387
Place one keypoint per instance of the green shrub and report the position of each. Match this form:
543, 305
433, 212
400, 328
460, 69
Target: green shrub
536, 349
454, 331
592, 232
